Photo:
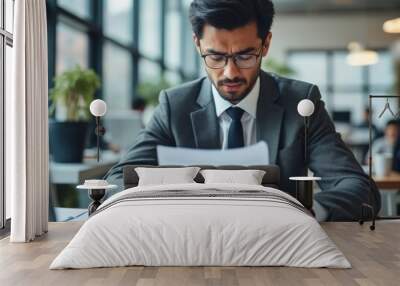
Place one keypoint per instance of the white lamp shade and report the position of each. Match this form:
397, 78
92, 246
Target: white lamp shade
98, 107
305, 107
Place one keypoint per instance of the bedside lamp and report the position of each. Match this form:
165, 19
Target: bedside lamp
305, 108
98, 108
97, 188
96, 191
304, 185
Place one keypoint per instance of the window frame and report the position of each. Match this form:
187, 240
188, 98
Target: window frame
331, 87
93, 26
6, 39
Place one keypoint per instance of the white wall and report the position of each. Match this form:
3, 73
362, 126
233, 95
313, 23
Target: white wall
329, 31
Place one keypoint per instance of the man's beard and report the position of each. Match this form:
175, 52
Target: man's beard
234, 97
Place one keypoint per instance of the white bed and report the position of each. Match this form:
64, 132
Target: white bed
222, 225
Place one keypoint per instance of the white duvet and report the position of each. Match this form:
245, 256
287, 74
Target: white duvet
188, 231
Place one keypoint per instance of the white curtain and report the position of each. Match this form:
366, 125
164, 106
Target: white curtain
27, 124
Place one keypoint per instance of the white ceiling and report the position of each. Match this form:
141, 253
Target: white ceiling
304, 6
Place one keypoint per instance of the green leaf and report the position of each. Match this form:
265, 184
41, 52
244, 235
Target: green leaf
75, 90
150, 90
277, 67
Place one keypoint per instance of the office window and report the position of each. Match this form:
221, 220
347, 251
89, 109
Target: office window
344, 87
344, 75
201, 70
150, 28
126, 42
382, 74
349, 101
117, 77
81, 8
172, 78
191, 55
192, 58
382, 79
149, 71
305, 65
72, 47
173, 35
118, 20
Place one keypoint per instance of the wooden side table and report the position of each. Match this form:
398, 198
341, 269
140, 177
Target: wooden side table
96, 191
304, 190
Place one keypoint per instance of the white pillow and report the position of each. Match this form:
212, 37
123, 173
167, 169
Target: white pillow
248, 177
165, 176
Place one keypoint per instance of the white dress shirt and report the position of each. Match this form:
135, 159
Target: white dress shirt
249, 105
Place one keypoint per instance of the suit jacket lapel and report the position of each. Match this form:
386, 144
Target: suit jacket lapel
204, 120
269, 115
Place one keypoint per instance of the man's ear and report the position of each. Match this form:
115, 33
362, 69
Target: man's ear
196, 41
267, 43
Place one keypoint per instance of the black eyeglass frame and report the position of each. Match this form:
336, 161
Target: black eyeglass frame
233, 56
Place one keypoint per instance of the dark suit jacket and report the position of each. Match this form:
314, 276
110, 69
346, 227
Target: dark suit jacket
186, 117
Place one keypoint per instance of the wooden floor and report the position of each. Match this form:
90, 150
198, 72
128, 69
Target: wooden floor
375, 257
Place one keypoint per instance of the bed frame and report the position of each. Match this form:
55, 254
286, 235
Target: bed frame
270, 179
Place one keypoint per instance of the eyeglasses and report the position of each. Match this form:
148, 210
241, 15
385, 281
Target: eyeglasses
242, 61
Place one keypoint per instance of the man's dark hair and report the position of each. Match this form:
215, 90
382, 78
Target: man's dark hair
392, 122
231, 14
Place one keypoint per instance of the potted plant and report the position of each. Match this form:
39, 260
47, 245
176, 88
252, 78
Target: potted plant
149, 91
280, 68
70, 99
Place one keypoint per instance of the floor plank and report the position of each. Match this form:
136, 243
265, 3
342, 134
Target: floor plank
374, 255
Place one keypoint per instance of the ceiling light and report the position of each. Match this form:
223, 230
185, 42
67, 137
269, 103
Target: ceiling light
358, 56
392, 26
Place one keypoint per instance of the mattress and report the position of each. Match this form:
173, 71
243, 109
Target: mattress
201, 225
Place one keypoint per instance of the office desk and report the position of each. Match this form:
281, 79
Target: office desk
73, 174
374, 255
391, 181
389, 186
77, 173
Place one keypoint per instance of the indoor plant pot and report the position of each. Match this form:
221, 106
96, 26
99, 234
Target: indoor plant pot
67, 140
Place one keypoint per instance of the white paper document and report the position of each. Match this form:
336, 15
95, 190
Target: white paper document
256, 154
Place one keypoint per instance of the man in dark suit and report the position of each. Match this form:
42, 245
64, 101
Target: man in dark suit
238, 104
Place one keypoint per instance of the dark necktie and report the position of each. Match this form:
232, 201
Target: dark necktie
235, 133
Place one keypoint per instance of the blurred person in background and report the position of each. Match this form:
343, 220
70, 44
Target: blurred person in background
386, 144
365, 124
